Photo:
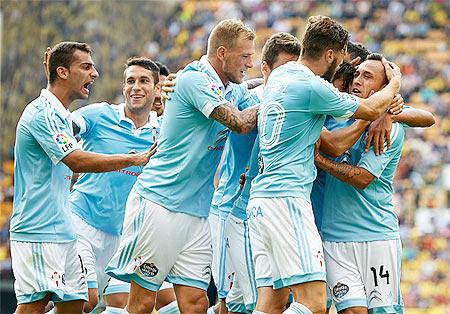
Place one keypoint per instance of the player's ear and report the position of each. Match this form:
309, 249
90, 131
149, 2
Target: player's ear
265, 69
62, 72
220, 52
371, 93
329, 56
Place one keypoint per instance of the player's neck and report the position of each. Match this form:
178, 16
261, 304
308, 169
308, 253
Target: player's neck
139, 118
315, 66
216, 64
61, 93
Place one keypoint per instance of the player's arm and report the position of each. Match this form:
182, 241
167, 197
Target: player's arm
379, 130
81, 161
378, 103
356, 176
241, 122
335, 143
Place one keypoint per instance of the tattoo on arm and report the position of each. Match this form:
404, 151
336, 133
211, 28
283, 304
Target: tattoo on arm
353, 175
238, 121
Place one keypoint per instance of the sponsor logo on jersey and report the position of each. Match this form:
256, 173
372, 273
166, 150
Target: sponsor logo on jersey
149, 269
340, 289
63, 141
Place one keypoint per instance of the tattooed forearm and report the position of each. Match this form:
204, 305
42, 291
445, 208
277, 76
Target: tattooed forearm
238, 121
356, 176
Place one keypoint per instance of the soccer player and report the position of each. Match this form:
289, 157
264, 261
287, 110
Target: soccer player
98, 200
278, 49
359, 226
166, 233
158, 104
43, 237
296, 101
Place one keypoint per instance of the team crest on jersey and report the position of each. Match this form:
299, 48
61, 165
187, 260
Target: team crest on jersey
149, 269
217, 91
63, 142
340, 289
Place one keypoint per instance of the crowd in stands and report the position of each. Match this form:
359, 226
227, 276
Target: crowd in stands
412, 33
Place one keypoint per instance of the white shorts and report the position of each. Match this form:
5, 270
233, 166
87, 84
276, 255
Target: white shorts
365, 274
96, 248
158, 244
283, 232
221, 272
116, 286
243, 294
41, 268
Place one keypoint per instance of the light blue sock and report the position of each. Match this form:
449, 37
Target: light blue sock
171, 308
113, 310
258, 312
297, 308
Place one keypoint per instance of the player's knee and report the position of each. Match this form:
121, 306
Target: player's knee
354, 310
195, 304
92, 302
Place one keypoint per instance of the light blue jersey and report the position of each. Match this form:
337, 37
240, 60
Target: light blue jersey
180, 175
355, 215
41, 180
289, 124
99, 198
318, 187
236, 158
239, 209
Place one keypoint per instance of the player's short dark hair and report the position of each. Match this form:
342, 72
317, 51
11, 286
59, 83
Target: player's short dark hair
278, 43
144, 63
345, 71
62, 55
375, 56
163, 69
323, 33
358, 50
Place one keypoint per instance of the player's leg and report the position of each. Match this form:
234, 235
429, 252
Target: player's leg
39, 269
115, 296
166, 301
86, 235
344, 278
296, 251
191, 272
243, 292
380, 268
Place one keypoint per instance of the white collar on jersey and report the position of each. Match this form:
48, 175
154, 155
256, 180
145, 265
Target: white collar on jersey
55, 102
204, 61
152, 118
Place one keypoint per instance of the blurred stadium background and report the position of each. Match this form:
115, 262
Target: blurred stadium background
414, 34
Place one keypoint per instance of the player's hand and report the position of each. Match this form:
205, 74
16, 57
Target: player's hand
47, 53
392, 71
396, 105
355, 61
167, 87
141, 159
317, 154
242, 180
379, 132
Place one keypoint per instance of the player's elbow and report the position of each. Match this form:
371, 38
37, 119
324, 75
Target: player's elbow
363, 182
429, 120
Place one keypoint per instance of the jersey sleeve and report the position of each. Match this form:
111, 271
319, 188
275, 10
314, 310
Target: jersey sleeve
53, 134
376, 164
198, 90
326, 99
86, 117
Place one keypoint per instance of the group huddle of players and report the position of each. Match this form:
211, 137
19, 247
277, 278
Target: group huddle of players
315, 148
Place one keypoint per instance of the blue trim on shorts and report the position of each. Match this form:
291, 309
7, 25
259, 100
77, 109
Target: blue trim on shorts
236, 307
184, 281
350, 303
92, 284
221, 290
33, 297
73, 297
398, 308
298, 279
250, 307
112, 289
122, 276
329, 302
248, 260
264, 282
